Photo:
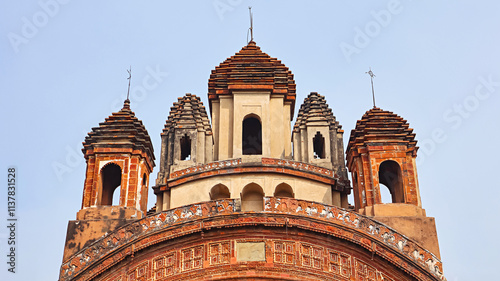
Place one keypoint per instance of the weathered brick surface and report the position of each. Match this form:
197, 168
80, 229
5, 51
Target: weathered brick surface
380, 136
290, 239
252, 69
123, 140
306, 240
315, 113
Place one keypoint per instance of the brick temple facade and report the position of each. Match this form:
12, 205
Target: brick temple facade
243, 195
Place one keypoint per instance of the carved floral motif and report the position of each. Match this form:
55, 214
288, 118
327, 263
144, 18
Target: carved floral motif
338, 222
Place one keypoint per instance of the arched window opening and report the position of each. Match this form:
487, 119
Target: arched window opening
389, 175
185, 147
283, 190
252, 136
385, 194
144, 180
219, 191
319, 146
111, 176
116, 197
252, 198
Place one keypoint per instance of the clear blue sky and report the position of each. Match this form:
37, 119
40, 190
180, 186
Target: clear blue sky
63, 70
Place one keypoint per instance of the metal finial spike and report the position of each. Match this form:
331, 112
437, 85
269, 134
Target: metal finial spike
251, 25
129, 78
370, 72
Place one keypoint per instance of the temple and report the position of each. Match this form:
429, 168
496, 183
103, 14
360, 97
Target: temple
241, 194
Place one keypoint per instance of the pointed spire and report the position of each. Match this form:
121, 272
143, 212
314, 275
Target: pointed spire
251, 26
129, 78
370, 72
126, 105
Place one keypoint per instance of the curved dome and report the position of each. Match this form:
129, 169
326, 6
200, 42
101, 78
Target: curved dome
315, 108
188, 112
251, 69
381, 126
120, 130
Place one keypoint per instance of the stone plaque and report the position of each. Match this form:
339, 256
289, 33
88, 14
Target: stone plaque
250, 251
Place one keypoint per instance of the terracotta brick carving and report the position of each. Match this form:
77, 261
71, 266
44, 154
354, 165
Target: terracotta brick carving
192, 258
165, 266
214, 218
310, 216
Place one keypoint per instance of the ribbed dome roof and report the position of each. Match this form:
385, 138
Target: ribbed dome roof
251, 69
315, 108
188, 112
120, 130
379, 126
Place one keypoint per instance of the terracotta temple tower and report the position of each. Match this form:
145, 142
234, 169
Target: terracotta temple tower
382, 153
119, 157
243, 195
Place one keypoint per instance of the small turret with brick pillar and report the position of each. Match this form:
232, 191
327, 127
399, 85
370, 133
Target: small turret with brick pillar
252, 100
186, 141
119, 156
318, 139
382, 153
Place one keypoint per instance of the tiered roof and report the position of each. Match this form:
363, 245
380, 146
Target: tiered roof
379, 126
120, 130
315, 108
188, 112
251, 69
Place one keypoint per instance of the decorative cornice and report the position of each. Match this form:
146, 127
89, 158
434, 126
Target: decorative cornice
266, 165
278, 212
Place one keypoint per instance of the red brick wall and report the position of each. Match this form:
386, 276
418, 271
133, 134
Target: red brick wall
297, 224
366, 163
290, 254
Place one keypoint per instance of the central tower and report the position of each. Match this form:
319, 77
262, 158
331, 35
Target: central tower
246, 153
252, 98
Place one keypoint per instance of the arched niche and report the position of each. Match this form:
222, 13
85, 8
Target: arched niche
389, 175
219, 191
111, 178
252, 198
284, 190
